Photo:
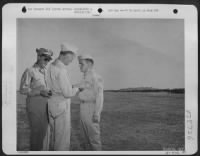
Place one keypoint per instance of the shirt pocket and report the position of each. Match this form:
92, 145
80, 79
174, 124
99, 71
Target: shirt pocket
38, 80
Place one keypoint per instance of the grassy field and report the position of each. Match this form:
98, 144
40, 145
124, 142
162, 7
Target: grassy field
130, 121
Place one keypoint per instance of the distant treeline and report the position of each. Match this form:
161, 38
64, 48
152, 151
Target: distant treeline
176, 90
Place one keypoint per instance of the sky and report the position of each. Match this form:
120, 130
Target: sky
127, 52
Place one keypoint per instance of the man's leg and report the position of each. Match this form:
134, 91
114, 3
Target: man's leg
95, 138
36, 138
62, 132
84, 120
46, 140
84, 133
37, 113
92, 134
90, 130
52, 133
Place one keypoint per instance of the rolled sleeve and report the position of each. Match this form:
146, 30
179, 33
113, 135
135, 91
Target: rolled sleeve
26, 82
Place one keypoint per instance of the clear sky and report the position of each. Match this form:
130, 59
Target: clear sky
127, 52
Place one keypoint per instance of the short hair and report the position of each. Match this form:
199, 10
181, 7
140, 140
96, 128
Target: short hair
90, 60
66, 52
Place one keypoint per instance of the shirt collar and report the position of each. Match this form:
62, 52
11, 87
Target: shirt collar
42, 70
37, 66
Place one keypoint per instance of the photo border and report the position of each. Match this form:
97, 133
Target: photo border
12, 11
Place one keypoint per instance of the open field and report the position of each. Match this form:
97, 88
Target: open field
130, 121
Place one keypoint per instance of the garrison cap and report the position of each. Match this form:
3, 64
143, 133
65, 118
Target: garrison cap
45, 52
65, 47
85, 57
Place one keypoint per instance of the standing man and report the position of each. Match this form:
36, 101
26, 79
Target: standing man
34, 86
59, 103
91, 102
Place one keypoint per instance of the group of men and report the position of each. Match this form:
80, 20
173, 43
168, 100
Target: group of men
49, 92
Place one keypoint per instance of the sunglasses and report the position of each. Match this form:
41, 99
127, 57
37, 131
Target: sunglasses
47, 59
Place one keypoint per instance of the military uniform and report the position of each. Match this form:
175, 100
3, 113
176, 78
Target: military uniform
33, 79
59, 104
91, 104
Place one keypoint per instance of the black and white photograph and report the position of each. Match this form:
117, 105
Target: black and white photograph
136, 71
112, 83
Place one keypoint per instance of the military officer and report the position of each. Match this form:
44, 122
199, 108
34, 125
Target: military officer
33, 85
59, 103
91, 98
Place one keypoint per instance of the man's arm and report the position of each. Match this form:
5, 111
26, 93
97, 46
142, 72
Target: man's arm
99, 97
65, 85
26, 83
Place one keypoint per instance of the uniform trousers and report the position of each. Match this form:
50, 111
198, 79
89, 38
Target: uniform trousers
60, 126
38, 119
90, 130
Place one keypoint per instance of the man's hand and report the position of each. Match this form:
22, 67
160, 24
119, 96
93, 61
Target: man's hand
80, 89
96, 118
45, 93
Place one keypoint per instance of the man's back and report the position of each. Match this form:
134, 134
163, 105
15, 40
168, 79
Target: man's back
57, 79
52, 78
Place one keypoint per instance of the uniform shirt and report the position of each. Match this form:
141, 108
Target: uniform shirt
58, 80
33, 78
92, 84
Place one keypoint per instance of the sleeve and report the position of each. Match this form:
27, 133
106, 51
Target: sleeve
25, 82
65, 85
25, 86
99, 95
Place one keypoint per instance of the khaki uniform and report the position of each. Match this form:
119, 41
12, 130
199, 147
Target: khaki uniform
34, 79
91, 104
59, 105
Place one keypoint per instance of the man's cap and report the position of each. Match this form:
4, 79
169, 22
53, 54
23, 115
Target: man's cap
65, 47
85, 57
45, 52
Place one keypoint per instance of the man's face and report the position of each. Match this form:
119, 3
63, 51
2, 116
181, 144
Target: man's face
43, 61
68, 58
84, 66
